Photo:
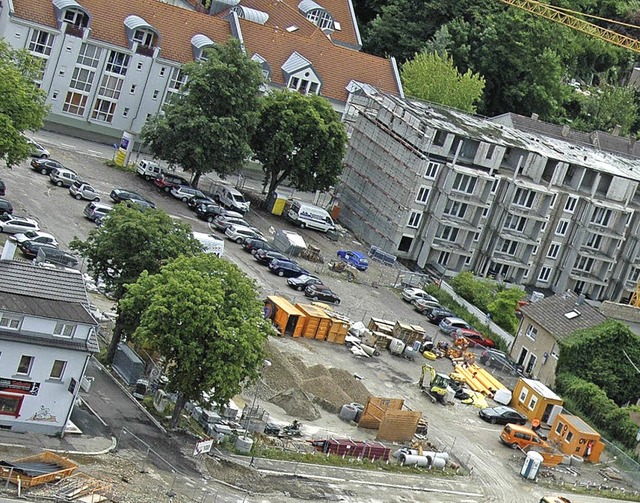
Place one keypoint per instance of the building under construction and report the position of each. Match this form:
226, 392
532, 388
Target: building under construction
455, 192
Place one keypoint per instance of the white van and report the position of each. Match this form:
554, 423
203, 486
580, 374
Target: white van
150, 170
210, 243
231, 198
308, 215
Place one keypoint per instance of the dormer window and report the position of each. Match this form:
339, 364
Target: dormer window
76, 18
300, 76
199, 44
143, 37
321, 18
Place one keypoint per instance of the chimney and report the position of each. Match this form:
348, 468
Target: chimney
534, 116
8, 250
616, 130
580, 299
565, 131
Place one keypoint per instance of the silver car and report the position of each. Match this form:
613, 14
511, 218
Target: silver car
82, 190
63, 177
37, 150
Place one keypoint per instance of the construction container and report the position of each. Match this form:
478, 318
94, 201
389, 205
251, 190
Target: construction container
38, 469
345, 447
338, 328
286, 318
574, 437
408, 333
536, 401
377, 339
380, 325
317, 322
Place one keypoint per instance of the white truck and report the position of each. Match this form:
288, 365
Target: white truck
149, 169
231, 198
210, 243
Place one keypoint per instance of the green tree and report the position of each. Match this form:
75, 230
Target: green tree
208, 126
606, 107
22, 102
203, 316
503, 308
435, 78
300, 139
129, 243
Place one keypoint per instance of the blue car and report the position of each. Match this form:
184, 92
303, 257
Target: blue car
354, 258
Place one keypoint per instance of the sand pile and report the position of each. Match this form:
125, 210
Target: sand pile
296, 387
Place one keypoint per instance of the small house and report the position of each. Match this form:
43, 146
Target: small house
536, 401
575, 437
286, 318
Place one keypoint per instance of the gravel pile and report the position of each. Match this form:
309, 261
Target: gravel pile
296, 387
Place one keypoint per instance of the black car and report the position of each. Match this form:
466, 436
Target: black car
5, 207
57, 257
321, 292
286, 269
209, 211
302, 282
194, 202
266, 257
252, 245
46, 166
130, 197
435, 316
30, 248
502, 415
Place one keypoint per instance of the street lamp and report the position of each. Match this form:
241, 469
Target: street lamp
265, 365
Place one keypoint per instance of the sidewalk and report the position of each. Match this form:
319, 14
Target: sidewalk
71, 444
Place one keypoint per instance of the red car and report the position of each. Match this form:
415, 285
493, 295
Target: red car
474, 337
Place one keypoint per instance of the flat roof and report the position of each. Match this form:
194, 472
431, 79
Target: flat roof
285, 305
541, 389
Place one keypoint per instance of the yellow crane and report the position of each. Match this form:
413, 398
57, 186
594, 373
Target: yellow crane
570, 18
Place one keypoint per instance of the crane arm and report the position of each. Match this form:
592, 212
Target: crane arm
566, 19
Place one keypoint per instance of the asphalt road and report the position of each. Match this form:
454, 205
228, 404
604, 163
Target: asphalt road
495, 476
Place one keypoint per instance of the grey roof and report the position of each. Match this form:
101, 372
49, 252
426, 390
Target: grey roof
579, 423
295, 62
89, 345
45, 308
24, 278
550, 312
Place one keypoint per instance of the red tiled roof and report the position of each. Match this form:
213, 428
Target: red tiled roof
176, 25
335, 65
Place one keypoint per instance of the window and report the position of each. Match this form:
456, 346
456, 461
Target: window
533, 402
177, 79
75, 18
143, 37
584, 264
515, 223
10, 405
423, 195
464, 183
509, 247
554, 251
155, 95
601, 216
545, 274
439, 138
41, 42
82, 79
139, 66
562, 227
490, 151
321, 18
125, 112
532, 332
569, 437
63, 329
633, 277
443, 258
304, 85
432, 170
75, 103
163, 70
524, 197
57, 370
26, 362
559, 427
455, 209
9, 322
449, 233
110, 87
523, 395
414, 219
89, 55
570, 205
494, 186
405, 243
133, 88
117, 63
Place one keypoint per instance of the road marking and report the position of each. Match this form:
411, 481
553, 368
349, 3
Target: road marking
95, 152
66, 145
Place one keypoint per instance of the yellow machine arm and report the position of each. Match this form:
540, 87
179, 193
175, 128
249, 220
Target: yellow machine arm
566, 18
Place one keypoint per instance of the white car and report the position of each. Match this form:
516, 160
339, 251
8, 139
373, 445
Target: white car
239, 233
14, 225
36, 237
411, 294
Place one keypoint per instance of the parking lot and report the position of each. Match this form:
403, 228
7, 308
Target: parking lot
456, 428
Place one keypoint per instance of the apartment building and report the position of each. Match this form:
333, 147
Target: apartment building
109, 66
47, 336
456, 192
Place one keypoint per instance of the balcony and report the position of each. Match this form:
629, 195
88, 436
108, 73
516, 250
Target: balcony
74, 31
145, 51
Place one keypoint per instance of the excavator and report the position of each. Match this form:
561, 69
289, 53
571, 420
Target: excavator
435, 385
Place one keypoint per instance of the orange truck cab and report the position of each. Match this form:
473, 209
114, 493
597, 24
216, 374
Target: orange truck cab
516, 436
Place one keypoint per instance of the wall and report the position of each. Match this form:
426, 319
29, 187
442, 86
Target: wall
542, 371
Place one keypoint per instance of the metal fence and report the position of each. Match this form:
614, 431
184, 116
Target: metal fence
628, 467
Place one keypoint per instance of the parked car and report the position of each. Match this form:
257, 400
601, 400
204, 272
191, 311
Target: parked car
231, 198
425, 305
410, 294
30, 249
502, 415
63, 177
239, 233
516, 436
97, 211
499, 360
57, 257
252, 245
3, 188
223, 222
12, 224
194, 202
45, 166
450, 325
302, 282
185, 193
167, 181
5, 207
37, 150
435, 316
265, 257
474, 337
286, 268
82, 190
148, 169
36, 237
209, 211
355, 258
321, 292
130, 197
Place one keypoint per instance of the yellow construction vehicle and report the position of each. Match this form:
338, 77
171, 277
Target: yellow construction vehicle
435, 385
